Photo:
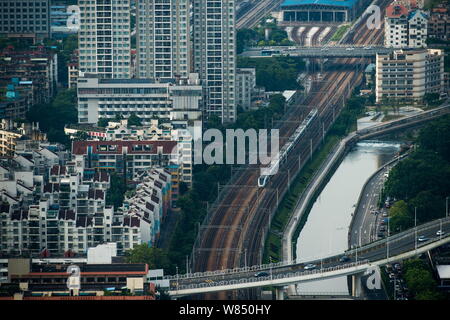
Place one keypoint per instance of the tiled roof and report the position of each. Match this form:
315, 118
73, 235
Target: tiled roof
396, 11
80, 147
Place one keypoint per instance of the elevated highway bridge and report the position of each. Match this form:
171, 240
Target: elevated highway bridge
341, 51
398, 247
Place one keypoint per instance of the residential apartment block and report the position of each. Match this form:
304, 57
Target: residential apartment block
409, 74
439, 24
404, 28
163, 40
104, 38
33, 73
25, 19
214, 51
245, 87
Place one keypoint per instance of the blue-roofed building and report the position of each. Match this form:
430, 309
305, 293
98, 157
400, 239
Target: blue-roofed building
322, 10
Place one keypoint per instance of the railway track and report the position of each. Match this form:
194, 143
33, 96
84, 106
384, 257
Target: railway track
244, 212
258, 12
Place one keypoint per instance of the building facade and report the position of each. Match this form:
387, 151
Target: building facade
245, 87
25, 19
104, 38
214, 50
163, 42
146, 98
409, 74
404, 28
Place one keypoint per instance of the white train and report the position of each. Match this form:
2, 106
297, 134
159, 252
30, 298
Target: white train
288, 146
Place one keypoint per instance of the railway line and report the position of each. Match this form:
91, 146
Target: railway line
256, 13
244, 210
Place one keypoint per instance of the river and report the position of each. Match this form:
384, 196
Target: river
326, 230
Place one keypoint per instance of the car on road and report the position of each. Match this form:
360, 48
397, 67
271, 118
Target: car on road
350, 49
310, 266
344, 259
385, 214
261, 274
422, 238
209, 281
440, 233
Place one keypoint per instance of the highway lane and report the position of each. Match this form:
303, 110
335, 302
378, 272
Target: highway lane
398, 244
367, 215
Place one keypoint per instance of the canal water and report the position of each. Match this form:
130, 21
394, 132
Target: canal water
326, 230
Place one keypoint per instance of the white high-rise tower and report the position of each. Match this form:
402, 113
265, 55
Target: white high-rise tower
104, 38
214, 51
163, 39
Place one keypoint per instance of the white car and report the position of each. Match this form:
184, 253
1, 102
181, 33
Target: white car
440, 233
350, 49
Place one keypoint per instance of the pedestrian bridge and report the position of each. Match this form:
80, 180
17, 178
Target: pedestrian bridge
316, 52
398, 247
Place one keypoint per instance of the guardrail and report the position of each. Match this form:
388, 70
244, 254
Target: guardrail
392, 161
293, 263
273, 277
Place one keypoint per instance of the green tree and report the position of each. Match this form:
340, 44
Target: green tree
156, 258
54, 116
399, 216
102, 122
134, 120
116, 193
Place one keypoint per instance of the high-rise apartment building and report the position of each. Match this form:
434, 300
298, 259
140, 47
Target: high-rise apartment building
214, 51
25, 19
163, 39
104, 38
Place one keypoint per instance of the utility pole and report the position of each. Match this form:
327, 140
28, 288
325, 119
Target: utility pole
187, 264
177, 278
446, 207
387, 243
415, 228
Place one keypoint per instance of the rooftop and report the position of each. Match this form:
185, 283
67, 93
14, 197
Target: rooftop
336, 3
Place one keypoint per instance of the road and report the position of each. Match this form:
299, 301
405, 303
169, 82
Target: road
401, 243
367, 216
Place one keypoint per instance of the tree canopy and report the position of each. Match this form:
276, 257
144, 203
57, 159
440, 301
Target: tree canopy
422, 181
54, 116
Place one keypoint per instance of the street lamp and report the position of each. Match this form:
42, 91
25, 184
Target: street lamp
446, 207
270, 260
387, 242
177, 278
415, 227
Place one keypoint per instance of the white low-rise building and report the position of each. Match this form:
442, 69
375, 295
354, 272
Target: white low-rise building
146, 98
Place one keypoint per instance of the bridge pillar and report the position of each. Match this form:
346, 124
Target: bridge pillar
356, 285
279, 293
